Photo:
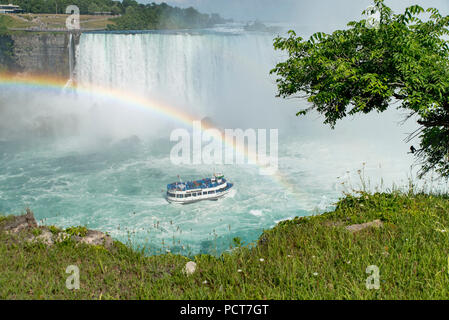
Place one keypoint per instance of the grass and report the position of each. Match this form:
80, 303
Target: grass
76, 231
305, 258
50, 21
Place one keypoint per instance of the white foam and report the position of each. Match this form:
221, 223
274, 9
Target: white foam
257, 213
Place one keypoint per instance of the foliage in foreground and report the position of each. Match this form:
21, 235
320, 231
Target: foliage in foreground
305, 258
365, 68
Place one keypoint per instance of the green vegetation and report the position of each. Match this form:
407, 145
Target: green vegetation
59, 6
163, 16
5, 22
4, 218
6, 46
366, 68
45, 22
260, 27
54, 229
133, 16
305, 258
36, 232
77, 231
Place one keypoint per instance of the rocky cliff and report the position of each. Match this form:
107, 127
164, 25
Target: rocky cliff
37, 53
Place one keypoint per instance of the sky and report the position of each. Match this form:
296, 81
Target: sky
299, 12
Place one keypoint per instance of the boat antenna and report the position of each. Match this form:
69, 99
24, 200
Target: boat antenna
179, 178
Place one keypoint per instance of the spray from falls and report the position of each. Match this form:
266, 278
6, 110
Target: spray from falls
221, 76
71, 48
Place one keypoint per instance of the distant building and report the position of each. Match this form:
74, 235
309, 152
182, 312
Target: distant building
10, 8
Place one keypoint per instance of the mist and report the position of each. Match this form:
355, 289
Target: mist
322, 14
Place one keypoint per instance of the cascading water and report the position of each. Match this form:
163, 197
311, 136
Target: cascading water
207, 74
71, 50
107, 162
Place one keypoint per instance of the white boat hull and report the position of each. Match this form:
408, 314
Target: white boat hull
211, 197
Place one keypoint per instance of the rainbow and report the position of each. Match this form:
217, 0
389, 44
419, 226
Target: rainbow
41, 82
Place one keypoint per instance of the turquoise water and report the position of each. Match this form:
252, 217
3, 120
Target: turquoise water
120, 190
117, 186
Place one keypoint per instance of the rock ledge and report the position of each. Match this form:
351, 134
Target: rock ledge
27, 224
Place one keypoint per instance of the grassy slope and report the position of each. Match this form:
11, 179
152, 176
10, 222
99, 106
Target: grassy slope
52, 21
308, 258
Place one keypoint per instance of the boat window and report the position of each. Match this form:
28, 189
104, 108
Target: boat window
188, 195
211, 192
193, 194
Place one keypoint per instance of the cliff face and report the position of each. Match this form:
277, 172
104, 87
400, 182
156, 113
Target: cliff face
43, 53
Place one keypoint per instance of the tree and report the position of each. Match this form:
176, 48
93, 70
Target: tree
369, 67
93, 7
115, 10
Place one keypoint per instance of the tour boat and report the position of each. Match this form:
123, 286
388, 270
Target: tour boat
193, 191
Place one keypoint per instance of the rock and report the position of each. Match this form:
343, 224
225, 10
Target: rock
359, 227
20, 223
263, 240
27, 223
189, 268
97, 238
334, 223
37, 53
62, 236
45, 237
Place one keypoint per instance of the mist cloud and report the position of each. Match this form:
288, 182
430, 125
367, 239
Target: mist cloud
300, 12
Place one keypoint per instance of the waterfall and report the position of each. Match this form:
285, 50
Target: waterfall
221, 75
71, 50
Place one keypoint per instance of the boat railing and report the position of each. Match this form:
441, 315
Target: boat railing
200, 184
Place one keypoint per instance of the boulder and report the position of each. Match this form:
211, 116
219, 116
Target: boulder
27, 222
359, 227
20, 223
45, 237
97, 238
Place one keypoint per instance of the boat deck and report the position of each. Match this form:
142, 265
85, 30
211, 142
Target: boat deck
193, 185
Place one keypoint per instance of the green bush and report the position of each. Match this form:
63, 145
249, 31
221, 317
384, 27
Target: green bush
77, 231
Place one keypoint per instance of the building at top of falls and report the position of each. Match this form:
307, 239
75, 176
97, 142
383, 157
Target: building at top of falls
10, 8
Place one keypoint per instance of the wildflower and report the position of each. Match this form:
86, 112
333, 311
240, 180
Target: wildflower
289, 256
205, 282
261, 259
315, 274
239, 270
189, 268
